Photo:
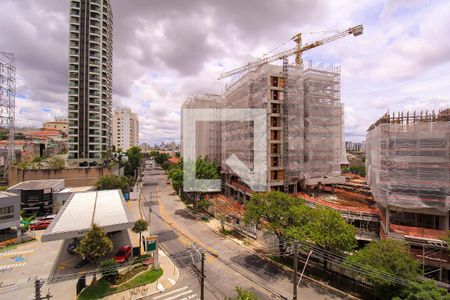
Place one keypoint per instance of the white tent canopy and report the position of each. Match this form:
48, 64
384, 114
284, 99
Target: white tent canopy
106, 209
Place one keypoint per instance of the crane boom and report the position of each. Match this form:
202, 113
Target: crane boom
356, 30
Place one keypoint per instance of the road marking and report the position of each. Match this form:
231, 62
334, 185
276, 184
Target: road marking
15, 253
10, 266
180, 294
170, 293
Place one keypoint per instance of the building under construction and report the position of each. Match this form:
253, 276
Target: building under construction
208, 140
408, 171
304, 127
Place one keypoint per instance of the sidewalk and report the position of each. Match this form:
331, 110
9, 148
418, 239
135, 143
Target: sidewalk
170, 271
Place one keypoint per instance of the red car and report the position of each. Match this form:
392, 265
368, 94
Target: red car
123, 254
40, 225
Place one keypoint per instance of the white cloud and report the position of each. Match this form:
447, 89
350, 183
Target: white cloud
166, 51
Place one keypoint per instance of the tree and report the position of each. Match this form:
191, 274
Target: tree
221, 211
243, 295
388, 256
134, 160
109, 269
323, 226
56, 163
94, 244
427, 290
112, 182
140, 226
272, 211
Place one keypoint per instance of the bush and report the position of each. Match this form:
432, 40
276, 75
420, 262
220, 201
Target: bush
109, 270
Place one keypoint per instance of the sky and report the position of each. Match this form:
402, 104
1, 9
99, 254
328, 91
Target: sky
167, 51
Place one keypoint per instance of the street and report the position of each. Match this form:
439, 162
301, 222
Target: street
228, 265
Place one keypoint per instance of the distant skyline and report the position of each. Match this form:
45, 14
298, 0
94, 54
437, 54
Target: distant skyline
166, 51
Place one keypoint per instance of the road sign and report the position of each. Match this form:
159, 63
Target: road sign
150, 244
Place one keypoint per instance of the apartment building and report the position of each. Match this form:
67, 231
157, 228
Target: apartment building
60, 124
208, 138
125, 129
408, 171
304, 127
90, 81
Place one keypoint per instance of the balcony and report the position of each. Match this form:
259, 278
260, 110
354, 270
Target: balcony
73, 131
94, 132
95, 23
73, 123
73, 140
94, 125
73, 60
94, 148
73, 76
73, 107
94, 108
74, 12
73, 115
94, 117
73, 147
73, 91
93, 101
94, 140
73, 99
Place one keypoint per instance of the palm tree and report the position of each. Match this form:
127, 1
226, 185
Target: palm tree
140, 226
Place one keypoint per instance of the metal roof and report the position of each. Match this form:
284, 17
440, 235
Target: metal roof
4, 194
106, 209
36, 184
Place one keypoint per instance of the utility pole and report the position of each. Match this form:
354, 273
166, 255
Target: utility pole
295, 269
37, 289
202, 278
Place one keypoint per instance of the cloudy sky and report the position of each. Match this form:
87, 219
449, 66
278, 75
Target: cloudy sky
166, 51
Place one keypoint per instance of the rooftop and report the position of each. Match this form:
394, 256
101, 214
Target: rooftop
106, 209
4, 194
36, 184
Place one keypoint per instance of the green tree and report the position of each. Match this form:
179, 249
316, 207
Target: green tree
140, 226
272, 211
109, 269
427, 290
112, 182
243, 295
134, 160
388, 256
56, 163
94, 244
323, 226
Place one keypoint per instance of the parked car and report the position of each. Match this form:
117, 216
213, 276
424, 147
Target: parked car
43, 218
72, 247
123, 254
40, 225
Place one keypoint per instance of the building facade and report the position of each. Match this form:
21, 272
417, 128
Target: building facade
408, 171
125, 129
9, 210
37, 196
60, 125
304, 130
208, 140
90, 81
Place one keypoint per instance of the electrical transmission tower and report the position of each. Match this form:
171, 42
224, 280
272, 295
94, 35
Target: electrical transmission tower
8, 105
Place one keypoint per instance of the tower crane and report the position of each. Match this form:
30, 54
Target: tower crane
284, 55
297, 51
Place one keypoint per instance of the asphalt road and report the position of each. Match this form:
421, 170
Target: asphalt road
232, 266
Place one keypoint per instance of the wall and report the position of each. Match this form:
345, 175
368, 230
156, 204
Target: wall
72, 177
13, 200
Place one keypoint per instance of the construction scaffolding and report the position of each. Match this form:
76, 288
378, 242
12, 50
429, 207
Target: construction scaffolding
8, 106
304, 124
408, 160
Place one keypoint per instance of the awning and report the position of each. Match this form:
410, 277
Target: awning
106, 209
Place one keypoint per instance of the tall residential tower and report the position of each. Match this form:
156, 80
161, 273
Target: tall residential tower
90, 81
125, 129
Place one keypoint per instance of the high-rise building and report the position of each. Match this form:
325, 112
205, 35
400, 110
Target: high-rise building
208, 139
304, 128
90, 81
125, 129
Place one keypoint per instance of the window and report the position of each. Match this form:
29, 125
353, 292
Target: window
6, 212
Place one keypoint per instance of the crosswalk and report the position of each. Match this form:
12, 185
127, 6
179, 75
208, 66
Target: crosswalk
10, 266
16, 253
184, 293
